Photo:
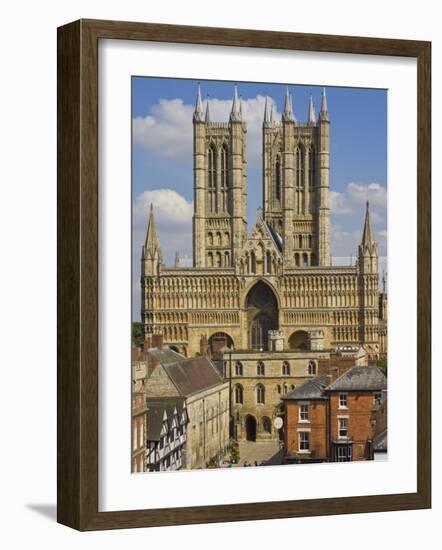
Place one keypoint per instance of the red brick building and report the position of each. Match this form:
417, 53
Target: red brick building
334, 420
306, 422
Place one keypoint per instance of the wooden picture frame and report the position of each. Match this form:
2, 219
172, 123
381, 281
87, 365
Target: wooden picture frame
77, 463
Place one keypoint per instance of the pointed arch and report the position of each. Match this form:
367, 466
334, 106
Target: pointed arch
212, 176
311, 167
261, 305
299, 178
224, 178
278, 178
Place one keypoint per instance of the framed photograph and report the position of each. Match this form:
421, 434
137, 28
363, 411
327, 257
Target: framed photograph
243, 275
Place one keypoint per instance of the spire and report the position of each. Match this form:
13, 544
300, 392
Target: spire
152, 243
323, 115
198, 112
235, 114
383, 281
176, 263
367, 242
267, 114
311, 112
207, 117
287, 115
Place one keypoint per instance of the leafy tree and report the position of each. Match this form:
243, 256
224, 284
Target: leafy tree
382, 362
137, 334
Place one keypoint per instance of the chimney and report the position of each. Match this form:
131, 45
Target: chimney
333, 373
136, 353
157, 341
147, 342
151, 364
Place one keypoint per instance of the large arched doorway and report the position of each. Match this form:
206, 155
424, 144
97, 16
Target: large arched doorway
250, 428
299, 340
262, 315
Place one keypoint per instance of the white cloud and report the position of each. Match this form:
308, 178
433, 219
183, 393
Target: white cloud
356, 195
345, 242
169, 206
167, 130
173, 217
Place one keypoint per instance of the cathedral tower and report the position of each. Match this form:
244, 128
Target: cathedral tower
296, 182
219, 221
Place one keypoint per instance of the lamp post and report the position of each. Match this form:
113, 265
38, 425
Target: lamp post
230, 395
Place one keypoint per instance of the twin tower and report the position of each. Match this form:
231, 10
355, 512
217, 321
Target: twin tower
295, 184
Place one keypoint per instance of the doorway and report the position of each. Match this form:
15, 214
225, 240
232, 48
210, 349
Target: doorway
251, 428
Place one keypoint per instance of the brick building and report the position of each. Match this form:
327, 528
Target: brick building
334, 420
306, 426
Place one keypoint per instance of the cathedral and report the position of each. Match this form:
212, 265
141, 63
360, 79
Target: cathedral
273, 288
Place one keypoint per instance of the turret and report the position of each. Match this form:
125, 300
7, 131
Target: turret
368, 252
323, 114
267, 114
287, 114
288, 162
311, 112
368, 281
198, 112
199, 180
323, 166
236, 111
151, 257
207, 116
237, 178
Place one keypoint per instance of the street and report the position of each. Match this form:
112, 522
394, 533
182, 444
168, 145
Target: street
266, 452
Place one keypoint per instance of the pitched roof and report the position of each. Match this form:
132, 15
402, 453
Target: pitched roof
380, 442
189, 376
275, 236
165, 356
155, 413
312, 389
193, 375
360, 379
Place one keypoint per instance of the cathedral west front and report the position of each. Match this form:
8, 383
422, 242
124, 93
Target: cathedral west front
271, 295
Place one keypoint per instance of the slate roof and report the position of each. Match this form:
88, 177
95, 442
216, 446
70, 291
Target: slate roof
312, 389
189, 376
276, 238
193, 375
380, 442
156, 407
166, 356
360, 379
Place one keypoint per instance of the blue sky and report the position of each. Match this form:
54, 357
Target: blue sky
162, 157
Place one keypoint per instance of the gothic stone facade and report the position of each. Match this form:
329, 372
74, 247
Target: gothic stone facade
277, 277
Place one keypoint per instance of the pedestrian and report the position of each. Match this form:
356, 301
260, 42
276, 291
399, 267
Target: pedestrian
256, 463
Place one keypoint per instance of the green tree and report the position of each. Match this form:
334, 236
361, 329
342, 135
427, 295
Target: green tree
137, 334
382, 362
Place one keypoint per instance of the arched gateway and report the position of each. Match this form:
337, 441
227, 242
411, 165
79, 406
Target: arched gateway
262, 315
299, 340
250, 428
